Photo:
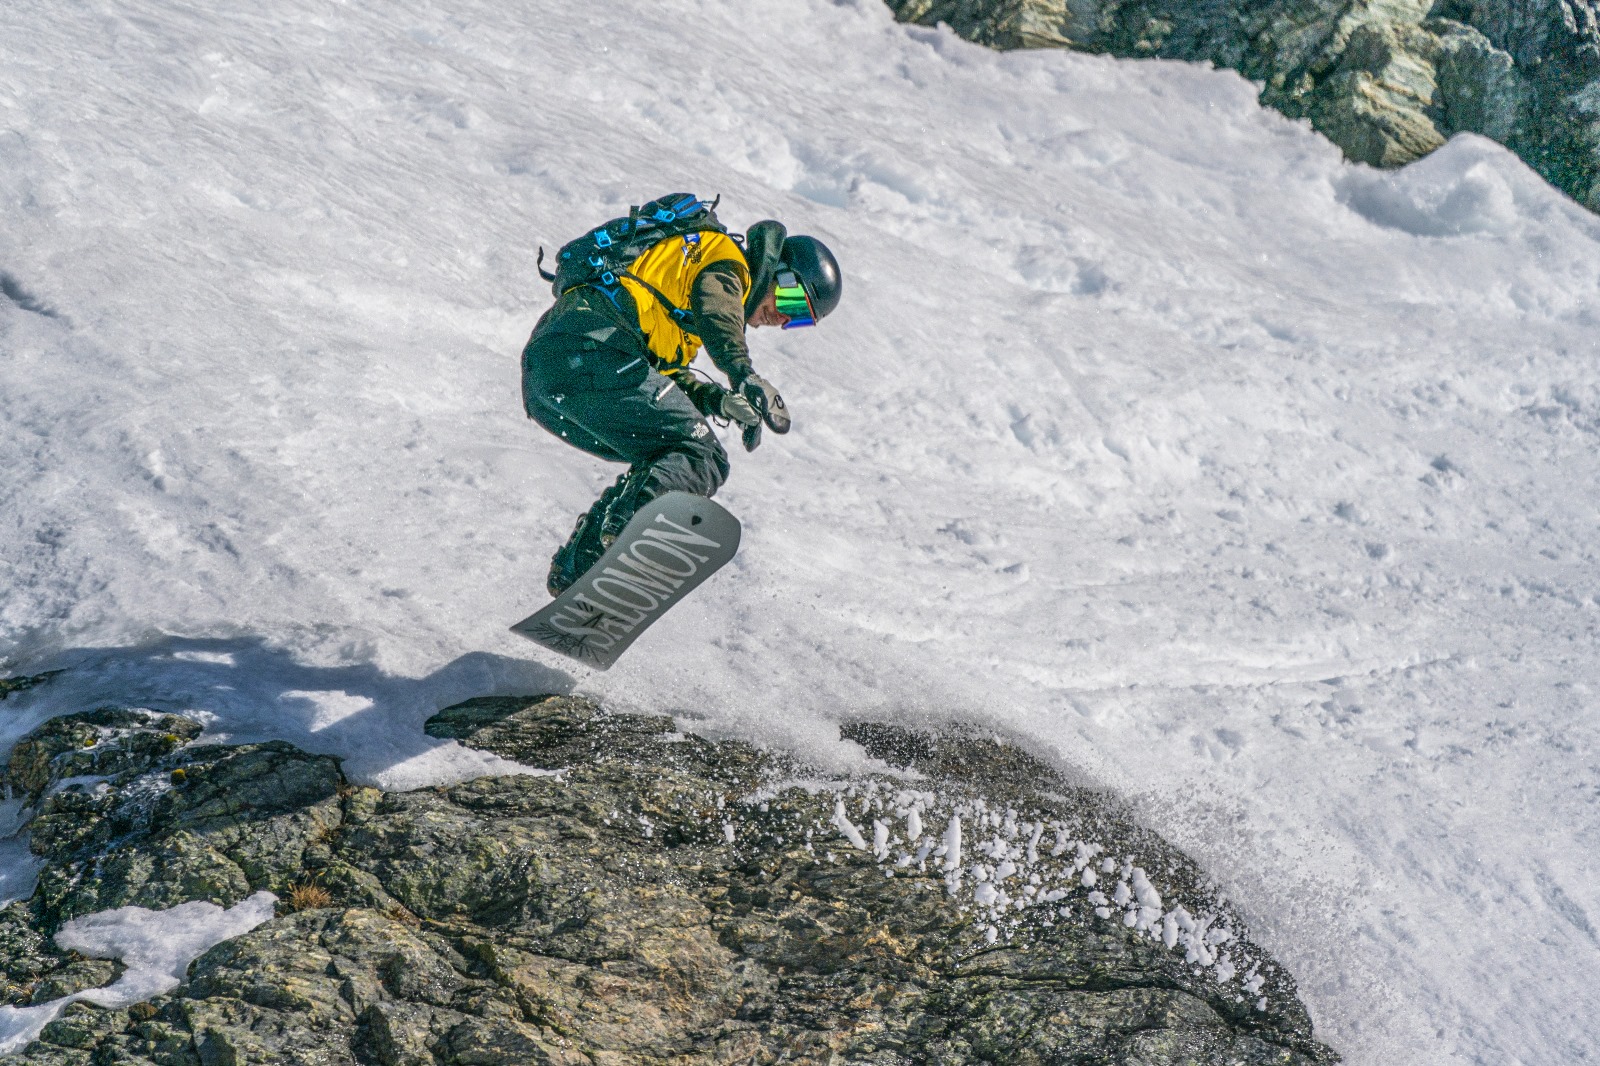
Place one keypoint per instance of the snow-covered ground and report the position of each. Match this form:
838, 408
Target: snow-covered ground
1256, 485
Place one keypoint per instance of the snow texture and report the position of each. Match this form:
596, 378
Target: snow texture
155, 946
1256, 485
19, 867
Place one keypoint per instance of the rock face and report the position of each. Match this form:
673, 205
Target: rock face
649, 897
8, 685
1386, 80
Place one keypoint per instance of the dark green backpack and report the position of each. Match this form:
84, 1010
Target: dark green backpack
602, 256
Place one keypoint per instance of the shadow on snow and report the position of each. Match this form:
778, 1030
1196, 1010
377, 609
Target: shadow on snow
245, 691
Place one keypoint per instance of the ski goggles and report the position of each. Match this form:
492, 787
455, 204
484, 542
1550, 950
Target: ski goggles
793, 303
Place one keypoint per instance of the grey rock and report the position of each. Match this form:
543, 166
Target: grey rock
107, 742
1533, 31
651, 897
33, 970
8, 685
212, 823
1387, 80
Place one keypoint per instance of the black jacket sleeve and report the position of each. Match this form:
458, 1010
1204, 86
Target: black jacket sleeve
717, 300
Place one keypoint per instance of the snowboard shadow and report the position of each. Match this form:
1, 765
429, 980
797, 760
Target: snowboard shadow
244, 691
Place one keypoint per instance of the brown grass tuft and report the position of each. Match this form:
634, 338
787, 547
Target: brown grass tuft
307, 896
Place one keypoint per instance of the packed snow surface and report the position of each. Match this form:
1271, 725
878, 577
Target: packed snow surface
1258, 486
156, 947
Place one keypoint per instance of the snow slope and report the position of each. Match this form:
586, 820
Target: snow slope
1256, 485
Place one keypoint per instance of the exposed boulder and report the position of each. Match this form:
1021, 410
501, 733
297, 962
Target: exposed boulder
1386, 80
646, 896
125, 814
104, 743
8, 685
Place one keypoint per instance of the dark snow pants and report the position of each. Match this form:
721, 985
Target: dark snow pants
586, 379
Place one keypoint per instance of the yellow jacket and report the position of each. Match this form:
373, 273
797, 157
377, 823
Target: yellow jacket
672, 268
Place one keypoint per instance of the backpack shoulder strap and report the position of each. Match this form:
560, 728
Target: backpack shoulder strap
679, 315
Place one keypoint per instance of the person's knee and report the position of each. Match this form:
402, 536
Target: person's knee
713, 461
707, 464
698, 465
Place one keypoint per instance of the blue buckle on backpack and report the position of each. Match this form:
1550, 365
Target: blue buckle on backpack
608, 279
663, 215
602, 238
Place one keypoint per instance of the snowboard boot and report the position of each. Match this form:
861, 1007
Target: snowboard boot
575, 556
582, 550
624, 504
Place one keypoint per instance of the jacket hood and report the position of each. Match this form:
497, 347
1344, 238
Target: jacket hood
763, 251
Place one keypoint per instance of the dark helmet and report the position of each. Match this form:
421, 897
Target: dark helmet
818, 271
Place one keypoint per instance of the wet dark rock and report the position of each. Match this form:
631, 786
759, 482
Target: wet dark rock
8, 685
33, 970
644, 896
107, 742
1388, 81
236, 820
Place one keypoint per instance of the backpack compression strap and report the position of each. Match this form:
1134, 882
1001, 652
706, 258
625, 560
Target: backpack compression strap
679, 315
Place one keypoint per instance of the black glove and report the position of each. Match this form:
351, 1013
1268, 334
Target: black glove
767, 403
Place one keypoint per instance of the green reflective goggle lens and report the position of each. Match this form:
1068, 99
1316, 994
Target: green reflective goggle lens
793, 303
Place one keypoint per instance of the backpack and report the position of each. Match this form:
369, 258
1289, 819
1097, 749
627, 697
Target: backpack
602, 256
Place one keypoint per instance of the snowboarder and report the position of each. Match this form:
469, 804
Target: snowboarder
607, 368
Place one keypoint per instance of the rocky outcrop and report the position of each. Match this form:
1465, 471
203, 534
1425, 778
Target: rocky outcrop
640, 896
8, 685
1386, 80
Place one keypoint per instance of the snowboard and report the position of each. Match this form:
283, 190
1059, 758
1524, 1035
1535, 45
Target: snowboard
676, 541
